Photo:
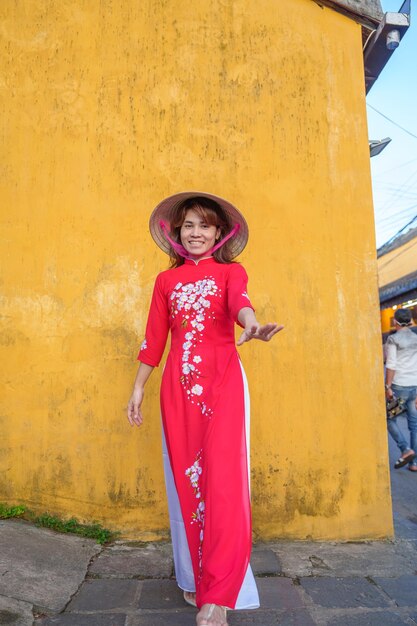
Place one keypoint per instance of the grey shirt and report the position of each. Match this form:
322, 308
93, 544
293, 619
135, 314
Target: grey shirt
402, 357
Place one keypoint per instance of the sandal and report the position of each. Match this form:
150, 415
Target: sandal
412, 468
189, 598
210, 613
404, 459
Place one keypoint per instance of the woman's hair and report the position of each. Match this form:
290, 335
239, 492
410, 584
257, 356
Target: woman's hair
403, 317
213, 214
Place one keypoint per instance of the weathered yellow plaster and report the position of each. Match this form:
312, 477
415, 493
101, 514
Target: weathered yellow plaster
109, 107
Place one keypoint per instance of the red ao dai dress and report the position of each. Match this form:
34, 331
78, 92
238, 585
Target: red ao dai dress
204, 405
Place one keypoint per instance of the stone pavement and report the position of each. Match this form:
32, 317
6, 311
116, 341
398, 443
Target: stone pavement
49, 579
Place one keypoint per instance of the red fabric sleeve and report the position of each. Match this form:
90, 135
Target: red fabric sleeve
237, 297
157, 327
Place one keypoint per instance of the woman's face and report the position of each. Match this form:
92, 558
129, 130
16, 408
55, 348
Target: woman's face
197, 236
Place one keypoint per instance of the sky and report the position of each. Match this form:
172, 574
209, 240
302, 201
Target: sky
394, 171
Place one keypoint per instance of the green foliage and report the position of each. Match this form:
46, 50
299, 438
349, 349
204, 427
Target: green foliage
11, 511
92, 531
73, 526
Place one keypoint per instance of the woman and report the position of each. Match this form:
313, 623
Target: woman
204, 399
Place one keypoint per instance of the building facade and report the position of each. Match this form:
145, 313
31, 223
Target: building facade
108, 108
397, 263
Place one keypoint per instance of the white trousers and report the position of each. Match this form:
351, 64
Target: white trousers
248, 597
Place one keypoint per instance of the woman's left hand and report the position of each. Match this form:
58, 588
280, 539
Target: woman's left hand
256, 331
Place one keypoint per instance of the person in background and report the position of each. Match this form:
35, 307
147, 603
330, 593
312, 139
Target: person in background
401, 382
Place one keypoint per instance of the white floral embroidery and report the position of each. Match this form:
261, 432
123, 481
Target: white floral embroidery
192, 302
143, 345
194, 472
197, 389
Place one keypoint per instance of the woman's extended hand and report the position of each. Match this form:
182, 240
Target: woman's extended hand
256, 331
134, 413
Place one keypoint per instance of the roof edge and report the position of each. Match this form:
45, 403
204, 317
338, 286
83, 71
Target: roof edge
395, 290
368, 14
397, 242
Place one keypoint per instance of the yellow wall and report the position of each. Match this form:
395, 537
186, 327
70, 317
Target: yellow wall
387, 315
397, 263
109, 107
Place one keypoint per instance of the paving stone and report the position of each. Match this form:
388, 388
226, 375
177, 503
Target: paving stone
15, 613
235, 618
9, 617
402, 589
77, 619
161, 594
100, 595
265, 562
134, 562
259, 617
377, 558
405, 526
40, 566
167, 618
343, 592
279, 593
380, 618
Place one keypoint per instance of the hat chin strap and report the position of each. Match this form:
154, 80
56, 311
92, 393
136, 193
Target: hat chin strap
179, 248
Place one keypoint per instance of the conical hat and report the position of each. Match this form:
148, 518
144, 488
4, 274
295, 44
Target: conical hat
166, 210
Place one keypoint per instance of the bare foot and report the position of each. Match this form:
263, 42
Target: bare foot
189, 597
212, 615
